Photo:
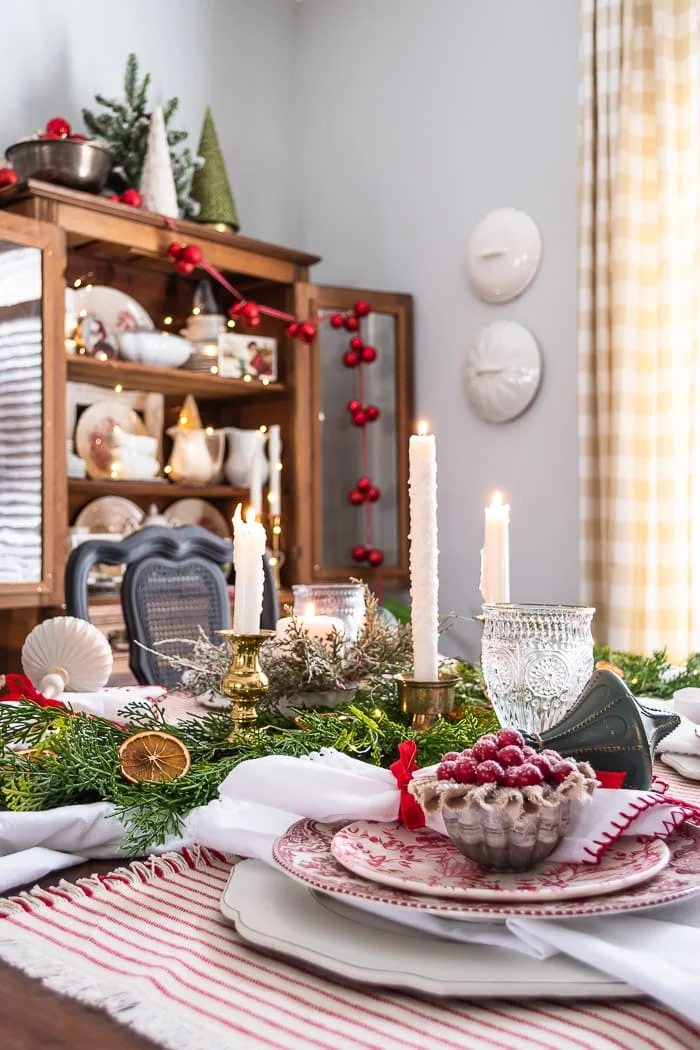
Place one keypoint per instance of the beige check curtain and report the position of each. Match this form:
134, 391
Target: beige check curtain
639, 322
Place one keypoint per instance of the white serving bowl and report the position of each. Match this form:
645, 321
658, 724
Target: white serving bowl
157, 349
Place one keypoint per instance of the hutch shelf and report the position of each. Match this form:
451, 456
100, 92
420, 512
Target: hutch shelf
85, 239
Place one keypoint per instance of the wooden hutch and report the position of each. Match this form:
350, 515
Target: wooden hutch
83, 238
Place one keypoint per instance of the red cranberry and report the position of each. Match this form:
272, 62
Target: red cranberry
451, 756
488, 772
507, 736
562, 770
486, 748
543, 763
446, 771
467, 752
465, 770
512, 755
526, 775
528, 752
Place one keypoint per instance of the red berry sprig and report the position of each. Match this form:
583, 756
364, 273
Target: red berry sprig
504, 758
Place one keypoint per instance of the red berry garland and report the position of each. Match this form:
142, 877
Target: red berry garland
186, 257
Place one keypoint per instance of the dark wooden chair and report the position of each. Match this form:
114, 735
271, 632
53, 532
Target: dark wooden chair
173, 584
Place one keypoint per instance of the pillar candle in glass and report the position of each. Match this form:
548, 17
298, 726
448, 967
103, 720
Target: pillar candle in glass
424, 553
248, 551
495, 555
315, 626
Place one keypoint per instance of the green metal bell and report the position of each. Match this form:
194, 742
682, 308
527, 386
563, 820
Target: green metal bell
611, 729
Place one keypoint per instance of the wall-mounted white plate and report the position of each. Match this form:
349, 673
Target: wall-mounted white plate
503, 254
502, 371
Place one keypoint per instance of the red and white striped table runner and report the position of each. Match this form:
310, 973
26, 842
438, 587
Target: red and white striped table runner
149, 945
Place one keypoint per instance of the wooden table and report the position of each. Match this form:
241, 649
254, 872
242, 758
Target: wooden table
32, 1017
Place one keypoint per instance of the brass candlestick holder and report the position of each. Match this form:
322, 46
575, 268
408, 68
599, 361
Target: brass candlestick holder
245, 682
426, 701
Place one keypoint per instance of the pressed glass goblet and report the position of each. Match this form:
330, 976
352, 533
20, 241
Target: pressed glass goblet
536, 660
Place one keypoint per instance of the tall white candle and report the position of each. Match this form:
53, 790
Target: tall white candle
248, 551
274, 453
256, 482
424, 553
495, 556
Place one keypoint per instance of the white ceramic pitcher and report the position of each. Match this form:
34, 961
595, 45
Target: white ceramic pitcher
244, 447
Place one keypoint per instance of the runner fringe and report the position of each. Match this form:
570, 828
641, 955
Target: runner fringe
138, 872
83, 982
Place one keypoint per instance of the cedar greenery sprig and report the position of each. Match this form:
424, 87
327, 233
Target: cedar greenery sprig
75, 756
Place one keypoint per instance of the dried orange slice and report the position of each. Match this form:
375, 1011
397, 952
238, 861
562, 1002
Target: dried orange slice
153, 756
603, 665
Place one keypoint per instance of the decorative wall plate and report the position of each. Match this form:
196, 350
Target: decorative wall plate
199, 512
502, 371
503, 254
304, 852
116, 309
424, 862
109, 515
277, 915
95, 427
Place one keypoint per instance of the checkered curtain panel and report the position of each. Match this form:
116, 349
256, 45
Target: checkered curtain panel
639, 322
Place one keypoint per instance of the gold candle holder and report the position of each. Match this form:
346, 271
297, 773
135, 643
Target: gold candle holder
426, 701
245, 682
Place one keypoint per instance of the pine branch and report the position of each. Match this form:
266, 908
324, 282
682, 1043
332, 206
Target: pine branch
130, 78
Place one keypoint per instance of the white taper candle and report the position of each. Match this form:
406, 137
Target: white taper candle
495, 556
248, 551
424, 553
274, 454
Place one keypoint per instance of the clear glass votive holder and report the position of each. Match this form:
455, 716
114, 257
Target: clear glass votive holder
346, 601
536, 660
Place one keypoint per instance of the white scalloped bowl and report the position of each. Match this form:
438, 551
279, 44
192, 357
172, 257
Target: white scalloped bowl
156, 349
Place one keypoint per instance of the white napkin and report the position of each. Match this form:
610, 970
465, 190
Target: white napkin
107, 703
33, 844
683, 740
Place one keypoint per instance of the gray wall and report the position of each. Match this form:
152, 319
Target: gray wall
236, 55
418, 117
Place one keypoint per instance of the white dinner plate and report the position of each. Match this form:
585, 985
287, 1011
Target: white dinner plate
278, 915
95, 428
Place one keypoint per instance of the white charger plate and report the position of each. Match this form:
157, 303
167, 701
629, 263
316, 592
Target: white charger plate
272, 912
422, 861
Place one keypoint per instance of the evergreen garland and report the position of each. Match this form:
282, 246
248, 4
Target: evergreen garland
124, 127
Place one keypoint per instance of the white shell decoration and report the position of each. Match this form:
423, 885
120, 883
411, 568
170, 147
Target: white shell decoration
503, 254
66, 652
503, 371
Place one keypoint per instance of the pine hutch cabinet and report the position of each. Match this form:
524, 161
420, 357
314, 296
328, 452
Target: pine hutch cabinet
50, 238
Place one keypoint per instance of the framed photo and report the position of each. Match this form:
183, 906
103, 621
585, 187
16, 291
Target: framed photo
252, 355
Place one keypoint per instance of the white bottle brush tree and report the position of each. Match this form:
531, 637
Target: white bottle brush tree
125, 125
157, 184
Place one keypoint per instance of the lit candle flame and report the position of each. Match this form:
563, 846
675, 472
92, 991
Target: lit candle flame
497, 498
310, 609
423, 427
250, 516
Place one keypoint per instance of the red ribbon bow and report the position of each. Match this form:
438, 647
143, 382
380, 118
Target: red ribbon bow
20, 688
410, 812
